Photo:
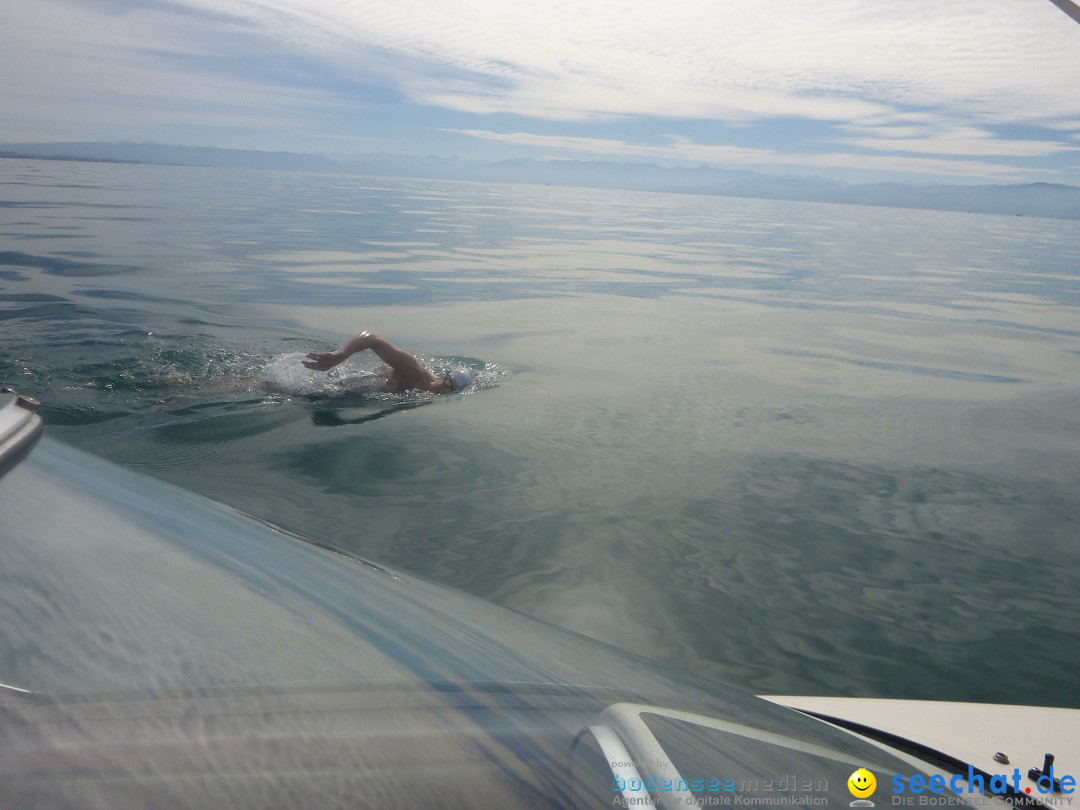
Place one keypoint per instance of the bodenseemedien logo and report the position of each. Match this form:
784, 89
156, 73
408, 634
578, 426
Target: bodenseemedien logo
862, 785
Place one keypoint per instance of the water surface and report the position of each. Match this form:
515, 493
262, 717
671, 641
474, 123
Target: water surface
798, 448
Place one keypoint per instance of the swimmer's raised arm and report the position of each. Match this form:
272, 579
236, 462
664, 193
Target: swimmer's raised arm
400, 361
322, 361
406, 372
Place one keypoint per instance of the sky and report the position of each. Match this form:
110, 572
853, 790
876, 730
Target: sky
922, 91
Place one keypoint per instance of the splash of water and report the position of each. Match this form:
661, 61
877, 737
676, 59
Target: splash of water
286, 374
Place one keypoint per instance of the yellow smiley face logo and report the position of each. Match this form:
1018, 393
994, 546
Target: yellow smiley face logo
862, 783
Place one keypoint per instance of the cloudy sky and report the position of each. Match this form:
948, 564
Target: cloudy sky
916, 90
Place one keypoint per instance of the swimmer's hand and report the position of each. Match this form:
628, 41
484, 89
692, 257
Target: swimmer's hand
322, 361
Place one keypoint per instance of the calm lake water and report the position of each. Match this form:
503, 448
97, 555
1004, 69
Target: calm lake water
797, 448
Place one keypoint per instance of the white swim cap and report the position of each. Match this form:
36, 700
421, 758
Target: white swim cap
459, 377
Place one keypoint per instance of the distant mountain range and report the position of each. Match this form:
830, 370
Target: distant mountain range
1031, 199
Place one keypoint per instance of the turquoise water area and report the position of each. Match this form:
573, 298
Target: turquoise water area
797, 448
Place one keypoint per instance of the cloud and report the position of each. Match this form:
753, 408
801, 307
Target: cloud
88, 70
933, 134
679, 148
707, 59
963, 142
683, 150
611, 59
919, 79
862, 65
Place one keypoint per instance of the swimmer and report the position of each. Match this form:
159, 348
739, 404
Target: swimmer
406, 373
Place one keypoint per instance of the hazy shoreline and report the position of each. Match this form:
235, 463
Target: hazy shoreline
1028, 199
